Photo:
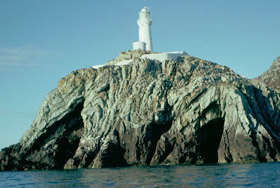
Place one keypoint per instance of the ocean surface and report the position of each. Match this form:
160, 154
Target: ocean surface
225, 175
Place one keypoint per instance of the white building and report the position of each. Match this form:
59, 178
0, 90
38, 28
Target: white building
164, 56
145, 37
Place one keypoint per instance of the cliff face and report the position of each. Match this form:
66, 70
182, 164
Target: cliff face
272, 77
148, 113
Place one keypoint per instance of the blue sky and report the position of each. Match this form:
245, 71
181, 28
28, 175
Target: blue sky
42, 41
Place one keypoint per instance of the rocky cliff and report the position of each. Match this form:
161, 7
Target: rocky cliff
272, 77
149, 113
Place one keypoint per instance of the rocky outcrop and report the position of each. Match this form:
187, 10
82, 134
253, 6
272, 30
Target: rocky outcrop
272, 77
128, 55
150, 113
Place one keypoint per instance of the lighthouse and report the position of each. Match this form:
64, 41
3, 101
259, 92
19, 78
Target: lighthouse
145, 37
145, 43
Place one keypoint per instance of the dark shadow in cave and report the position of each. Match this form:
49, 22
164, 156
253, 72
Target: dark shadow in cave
208, 139
66, 134
153, 134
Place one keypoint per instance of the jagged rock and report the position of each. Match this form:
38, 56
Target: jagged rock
272, 76
149, 113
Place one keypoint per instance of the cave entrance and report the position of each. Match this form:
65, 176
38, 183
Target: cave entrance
209, 137
62, 137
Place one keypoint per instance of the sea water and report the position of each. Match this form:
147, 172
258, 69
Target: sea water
223, 175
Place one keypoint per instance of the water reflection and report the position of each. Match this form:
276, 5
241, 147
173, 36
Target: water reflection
228, 175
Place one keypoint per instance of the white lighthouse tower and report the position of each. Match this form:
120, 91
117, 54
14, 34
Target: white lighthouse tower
145, 37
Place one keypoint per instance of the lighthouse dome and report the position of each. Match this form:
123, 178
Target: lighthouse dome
145, 9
